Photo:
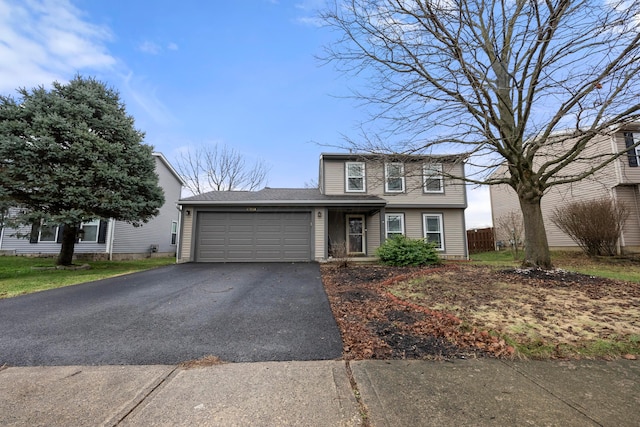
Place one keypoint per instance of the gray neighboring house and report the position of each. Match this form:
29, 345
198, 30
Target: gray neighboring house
619, 180
111, 239
361, 200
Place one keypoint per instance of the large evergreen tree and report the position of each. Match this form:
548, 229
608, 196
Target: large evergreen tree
71, 154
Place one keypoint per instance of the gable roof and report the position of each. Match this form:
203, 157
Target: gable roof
280, 196
168, 165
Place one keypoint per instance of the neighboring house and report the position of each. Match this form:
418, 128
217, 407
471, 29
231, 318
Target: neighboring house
110, 239
620, 179
361, 200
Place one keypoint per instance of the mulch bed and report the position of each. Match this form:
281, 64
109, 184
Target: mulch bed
377, 325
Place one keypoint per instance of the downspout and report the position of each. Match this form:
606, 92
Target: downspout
112, 233
179, 233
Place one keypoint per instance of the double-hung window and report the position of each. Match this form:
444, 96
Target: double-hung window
89, 231
355, 176
394, 177
633, 154
433, 182
174, 232
433, 229
394, 224
48, 233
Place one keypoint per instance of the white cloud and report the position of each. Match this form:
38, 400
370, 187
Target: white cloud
172, 46
46, 40
149, 47
42, 41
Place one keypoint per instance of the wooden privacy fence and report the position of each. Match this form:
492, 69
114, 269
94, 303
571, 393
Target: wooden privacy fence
481, 240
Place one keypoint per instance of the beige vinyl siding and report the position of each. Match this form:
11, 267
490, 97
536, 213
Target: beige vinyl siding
628, 174
453, 222
186, 234
334, 177
628, 194
373, 233
601, 184
454, 191
320, 233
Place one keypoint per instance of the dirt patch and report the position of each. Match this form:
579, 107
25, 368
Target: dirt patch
462, 310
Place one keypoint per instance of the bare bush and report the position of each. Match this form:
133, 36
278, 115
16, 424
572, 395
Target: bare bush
595, 225
340, 254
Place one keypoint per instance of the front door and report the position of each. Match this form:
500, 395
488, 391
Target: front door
355, 234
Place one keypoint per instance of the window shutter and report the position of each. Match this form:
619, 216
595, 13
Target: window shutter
102, 232
60, 232
631, 153
33, 236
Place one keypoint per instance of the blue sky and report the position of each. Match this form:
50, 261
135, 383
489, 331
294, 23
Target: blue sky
243, 73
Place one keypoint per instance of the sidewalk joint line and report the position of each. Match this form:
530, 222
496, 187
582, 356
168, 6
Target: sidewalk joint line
560, 398
364, 412
146, 396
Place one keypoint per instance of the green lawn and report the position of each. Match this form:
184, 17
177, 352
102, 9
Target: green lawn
17, 276
618, 268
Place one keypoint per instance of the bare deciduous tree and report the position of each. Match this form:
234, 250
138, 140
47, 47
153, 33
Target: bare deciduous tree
220, 168
510, 227
498, 80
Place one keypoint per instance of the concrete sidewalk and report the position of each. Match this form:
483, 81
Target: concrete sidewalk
326, 393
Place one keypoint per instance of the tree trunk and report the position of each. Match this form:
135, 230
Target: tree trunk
536, 246
69, 234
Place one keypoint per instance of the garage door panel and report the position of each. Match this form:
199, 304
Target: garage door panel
253, 236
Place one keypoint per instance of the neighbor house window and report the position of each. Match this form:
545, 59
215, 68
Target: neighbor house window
355, 176
174, 232
48, 233
631, 138
89, 231
433, 229
394, 174
433, 182
394, 224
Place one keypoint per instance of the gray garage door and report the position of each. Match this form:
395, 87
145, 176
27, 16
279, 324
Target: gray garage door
253, 236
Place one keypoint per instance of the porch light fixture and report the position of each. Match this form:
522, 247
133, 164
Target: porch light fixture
319, 214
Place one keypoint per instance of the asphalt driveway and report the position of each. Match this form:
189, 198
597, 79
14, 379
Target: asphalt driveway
237, 312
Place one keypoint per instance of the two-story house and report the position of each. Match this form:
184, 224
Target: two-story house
619, 179
108, 238
361, 200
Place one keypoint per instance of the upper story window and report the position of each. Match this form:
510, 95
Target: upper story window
355, 176
433, 230
394, 177
433, 181
631, 138
394, 224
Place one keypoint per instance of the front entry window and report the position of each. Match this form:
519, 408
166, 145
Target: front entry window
355, 234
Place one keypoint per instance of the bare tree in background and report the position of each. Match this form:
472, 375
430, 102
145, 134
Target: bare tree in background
498, 80
510, 227
220, 168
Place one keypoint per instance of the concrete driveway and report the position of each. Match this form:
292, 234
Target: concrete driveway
237, 312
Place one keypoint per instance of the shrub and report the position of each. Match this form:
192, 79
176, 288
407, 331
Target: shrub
401, 251
595, 225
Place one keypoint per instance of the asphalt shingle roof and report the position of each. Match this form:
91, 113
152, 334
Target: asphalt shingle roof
277, 195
